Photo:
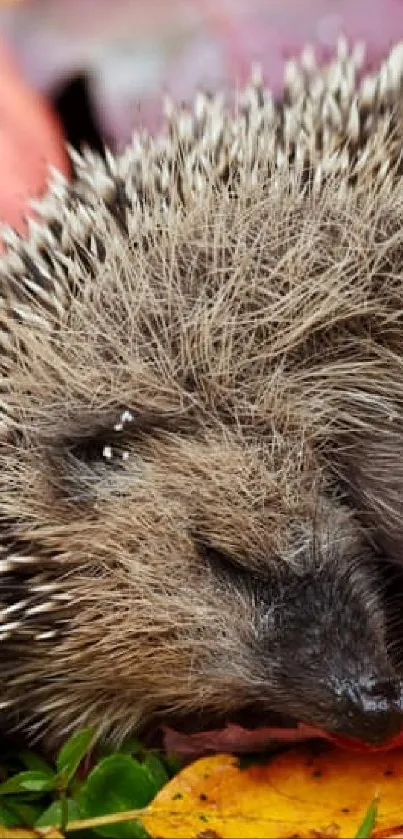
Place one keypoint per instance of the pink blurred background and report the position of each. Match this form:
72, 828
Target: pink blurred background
130, 51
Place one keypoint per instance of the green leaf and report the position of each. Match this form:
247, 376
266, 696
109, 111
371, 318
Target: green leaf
72, 753
116, 784
52, 816
25, 814
366, 827
156, 771
35, 763
31, 781
7, 817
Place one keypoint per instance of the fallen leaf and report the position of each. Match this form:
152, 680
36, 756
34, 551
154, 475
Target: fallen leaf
30, 141
297, 794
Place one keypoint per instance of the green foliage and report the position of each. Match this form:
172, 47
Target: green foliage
72, 753
28, 782
117, 783
82, 784
54, 813
15, 813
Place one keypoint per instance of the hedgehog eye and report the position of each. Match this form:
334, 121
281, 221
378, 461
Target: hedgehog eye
94, 463
111, 454
108, 445
98, 451
111, 444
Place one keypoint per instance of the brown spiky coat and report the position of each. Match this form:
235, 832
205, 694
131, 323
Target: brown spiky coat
202, 419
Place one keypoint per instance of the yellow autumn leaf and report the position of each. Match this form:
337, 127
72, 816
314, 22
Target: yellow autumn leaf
297, 794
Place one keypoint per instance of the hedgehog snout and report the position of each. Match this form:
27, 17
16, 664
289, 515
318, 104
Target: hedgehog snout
370, 709
333, 657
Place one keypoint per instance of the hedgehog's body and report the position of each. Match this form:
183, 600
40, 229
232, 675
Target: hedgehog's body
201, 457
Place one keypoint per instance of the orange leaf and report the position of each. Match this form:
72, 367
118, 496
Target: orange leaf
30, 140
297, 794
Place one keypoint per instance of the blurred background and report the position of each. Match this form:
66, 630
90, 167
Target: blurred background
102, 66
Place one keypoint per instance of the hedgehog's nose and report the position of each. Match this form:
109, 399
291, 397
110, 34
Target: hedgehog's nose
371, 709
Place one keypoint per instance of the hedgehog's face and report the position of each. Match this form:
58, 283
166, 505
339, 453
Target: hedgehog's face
202, 581
171, 546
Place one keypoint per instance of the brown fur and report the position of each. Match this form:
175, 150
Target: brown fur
220, 551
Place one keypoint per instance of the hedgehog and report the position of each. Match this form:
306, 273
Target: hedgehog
201, 422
